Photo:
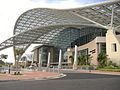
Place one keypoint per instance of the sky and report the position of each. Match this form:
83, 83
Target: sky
10, 10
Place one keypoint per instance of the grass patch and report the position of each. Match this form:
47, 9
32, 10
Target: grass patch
109, 69
2, 72
18, 74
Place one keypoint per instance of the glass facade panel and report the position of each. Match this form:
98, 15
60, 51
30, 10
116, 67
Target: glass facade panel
44, 50
90, 34
83, 52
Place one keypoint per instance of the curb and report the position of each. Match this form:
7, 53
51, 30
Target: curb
36, 78
59, 76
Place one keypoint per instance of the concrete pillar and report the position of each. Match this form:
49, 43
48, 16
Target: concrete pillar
60, 58
40, 62
68, 55
48, 63
32, 59
75, 58
99, 47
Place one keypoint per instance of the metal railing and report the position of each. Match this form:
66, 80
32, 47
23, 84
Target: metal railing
55, 69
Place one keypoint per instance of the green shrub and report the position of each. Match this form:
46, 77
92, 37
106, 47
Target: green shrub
17, 73
109, 69
2, 72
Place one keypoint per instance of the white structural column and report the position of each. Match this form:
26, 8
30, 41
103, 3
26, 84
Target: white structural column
32, 59
40, 62
60, 58
75, 58
99, 47
40, 59
48, 63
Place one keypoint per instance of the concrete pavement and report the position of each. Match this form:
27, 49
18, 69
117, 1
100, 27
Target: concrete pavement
30, 75
38, 75
94, 71
73, 81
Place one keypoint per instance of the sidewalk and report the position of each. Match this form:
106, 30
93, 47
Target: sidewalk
96, 71
30, 75
100, 72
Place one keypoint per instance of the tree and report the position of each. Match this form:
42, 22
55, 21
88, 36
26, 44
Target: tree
2, 62
3, 56
19, 53
88, 58
71, 59
84, 59
102, 59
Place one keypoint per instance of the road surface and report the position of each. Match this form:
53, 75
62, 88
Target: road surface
73, 81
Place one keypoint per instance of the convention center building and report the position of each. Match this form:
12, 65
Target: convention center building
88, 30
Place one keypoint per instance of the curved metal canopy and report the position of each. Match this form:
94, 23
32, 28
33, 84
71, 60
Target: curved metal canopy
44, 26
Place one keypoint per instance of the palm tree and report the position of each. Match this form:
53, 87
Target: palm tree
3, 56
19, 53
84, 59
88, 59
71, 59
102, 59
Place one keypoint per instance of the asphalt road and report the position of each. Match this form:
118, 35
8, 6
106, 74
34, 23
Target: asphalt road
73, 81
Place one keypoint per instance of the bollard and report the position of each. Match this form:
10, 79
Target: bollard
9, 69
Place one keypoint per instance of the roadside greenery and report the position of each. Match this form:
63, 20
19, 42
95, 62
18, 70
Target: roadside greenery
102, 60
19, 52
2, 72
82, 59
105, 64
2, 59
3, 56
17, 73
2, 63
109, 69
71, 59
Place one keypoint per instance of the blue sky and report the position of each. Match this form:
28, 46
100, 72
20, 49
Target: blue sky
49, 1
83, 2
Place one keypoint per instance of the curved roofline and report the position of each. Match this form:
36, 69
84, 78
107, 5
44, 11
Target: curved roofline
70, 9
83, 6
95, 4
61, 25
66, 25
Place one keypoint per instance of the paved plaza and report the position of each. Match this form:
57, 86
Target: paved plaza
29, 75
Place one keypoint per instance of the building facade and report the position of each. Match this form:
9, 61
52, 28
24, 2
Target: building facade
41, 54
